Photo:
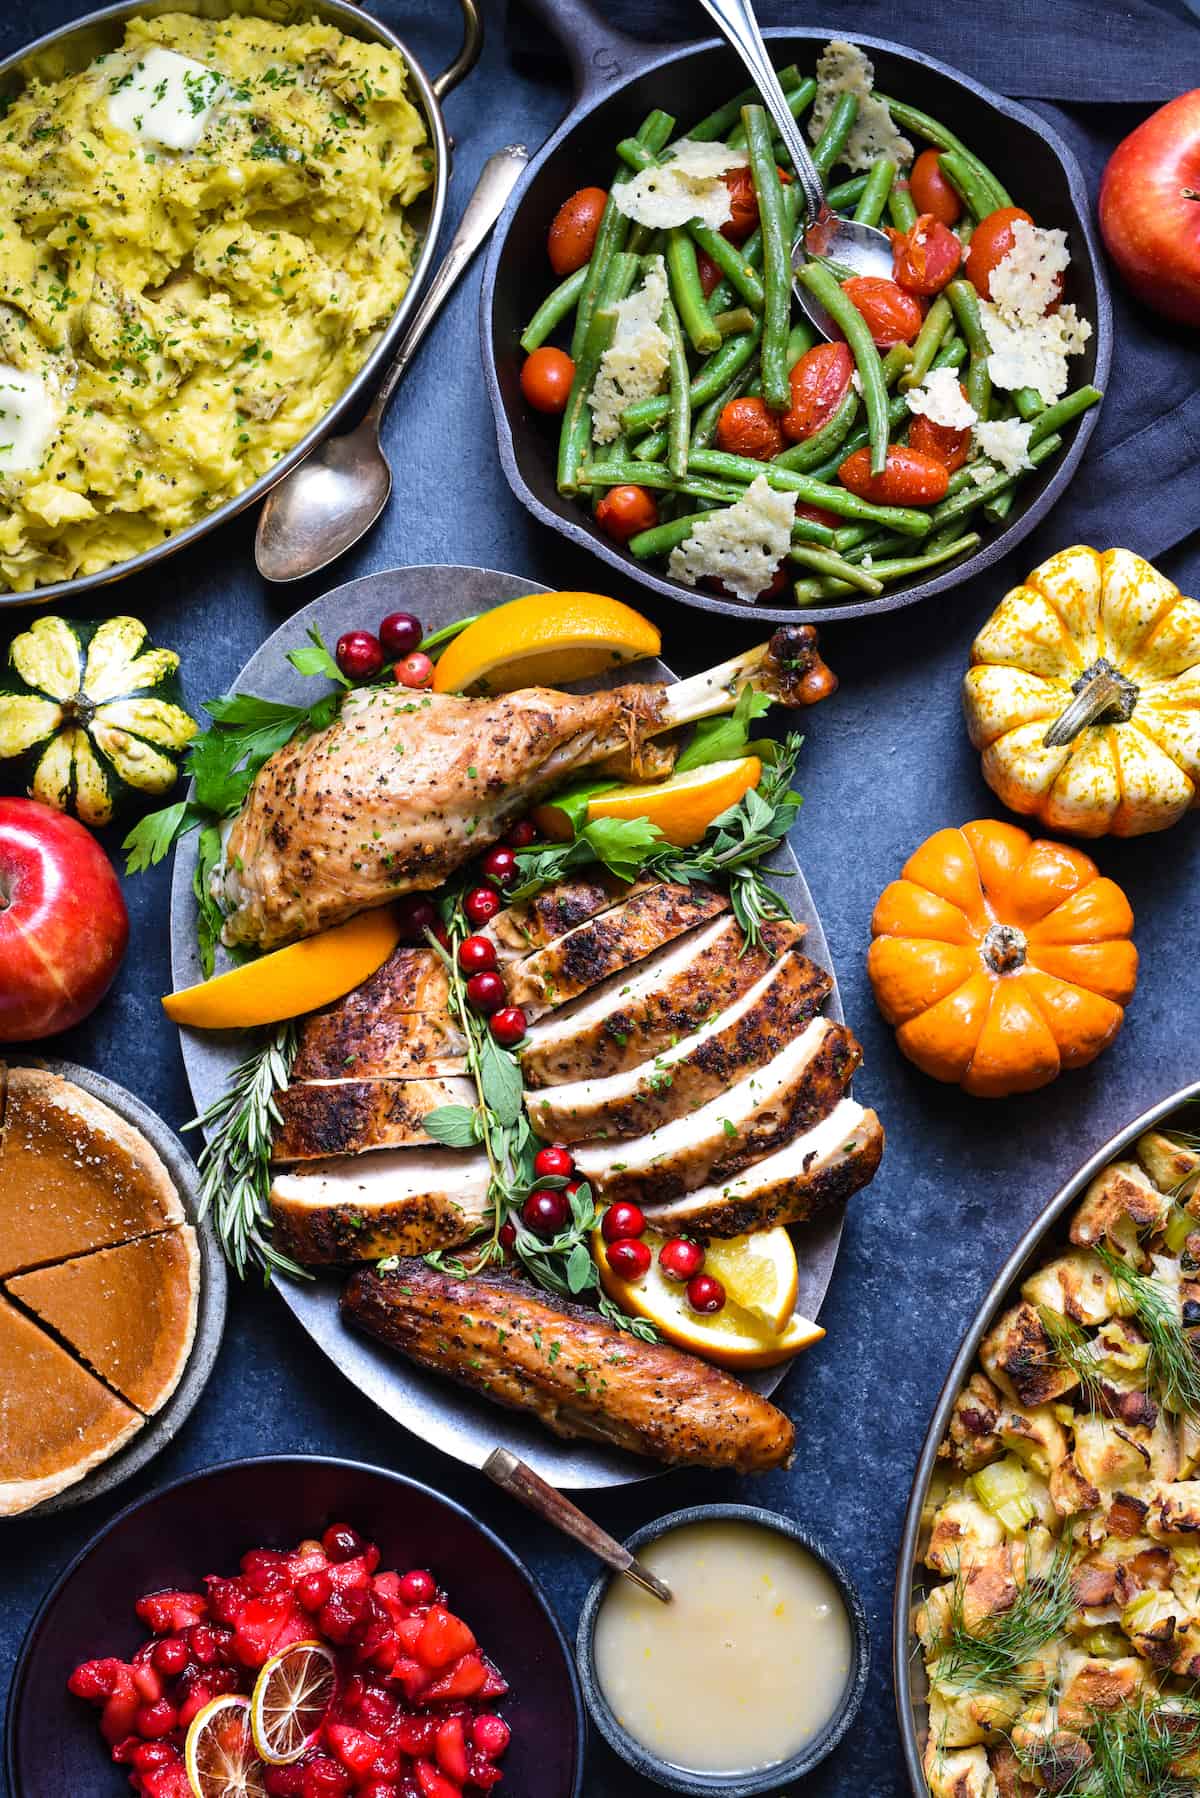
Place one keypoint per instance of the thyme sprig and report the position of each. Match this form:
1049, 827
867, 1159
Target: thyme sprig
996, 1655
1172, 1366
235, 1162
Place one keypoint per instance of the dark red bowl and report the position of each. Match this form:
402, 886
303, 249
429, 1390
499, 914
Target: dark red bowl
203, 1524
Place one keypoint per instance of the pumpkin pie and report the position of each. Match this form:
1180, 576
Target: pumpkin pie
57, 1420
129, 1312
73, 1175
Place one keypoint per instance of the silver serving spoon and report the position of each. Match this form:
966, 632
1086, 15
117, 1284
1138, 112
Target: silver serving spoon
863, 248
326, 504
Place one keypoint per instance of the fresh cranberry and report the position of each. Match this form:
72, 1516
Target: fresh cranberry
485, 992
481, 904
521, 835
415, 914
490, 1734
96, 1680
509, 1026
284, 1782
149, 1755
158, 1719
313, 1590
341, 1543
545, 1211
171, 1656
354, 1748
508, 1234
476, 955
417, 1734
400, 633
553, 1162
265, 1572
574, 1187
418, 1587
681, 1259
705, 1294
203, 1645
415, 671
629, 1258
483, 1772
622, 1220
499, 866
359, 655
323, 1778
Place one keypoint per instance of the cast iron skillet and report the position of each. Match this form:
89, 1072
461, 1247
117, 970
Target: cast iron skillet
908, 1673
617, 82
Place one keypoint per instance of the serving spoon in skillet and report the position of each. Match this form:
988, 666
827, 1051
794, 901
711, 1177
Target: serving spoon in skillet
862, 248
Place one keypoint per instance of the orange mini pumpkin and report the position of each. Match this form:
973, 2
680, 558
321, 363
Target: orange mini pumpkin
1001, 960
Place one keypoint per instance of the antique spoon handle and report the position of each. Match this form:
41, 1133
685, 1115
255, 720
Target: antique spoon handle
515, 1477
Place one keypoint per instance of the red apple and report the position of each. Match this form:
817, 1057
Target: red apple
1150, 209
63, 923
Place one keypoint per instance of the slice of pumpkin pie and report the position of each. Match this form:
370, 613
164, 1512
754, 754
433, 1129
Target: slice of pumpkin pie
73, 1175
129, 1311
57, 1421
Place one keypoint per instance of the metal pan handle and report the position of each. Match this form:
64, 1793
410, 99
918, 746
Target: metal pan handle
599, 55
468, 56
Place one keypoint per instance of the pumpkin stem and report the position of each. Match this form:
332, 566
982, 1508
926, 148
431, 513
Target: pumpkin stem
1100, 689
1003, 949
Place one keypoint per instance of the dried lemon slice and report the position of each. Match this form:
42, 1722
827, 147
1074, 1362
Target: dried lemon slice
291, 1696
219, 1753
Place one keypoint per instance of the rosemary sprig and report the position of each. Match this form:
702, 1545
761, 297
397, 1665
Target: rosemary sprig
1172, 1367
995, 1655
235, 1163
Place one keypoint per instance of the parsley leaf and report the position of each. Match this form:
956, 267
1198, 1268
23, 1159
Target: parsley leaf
153, 835
210, 917
314, 658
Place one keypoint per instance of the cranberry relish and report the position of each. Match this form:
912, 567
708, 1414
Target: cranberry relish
410, 1718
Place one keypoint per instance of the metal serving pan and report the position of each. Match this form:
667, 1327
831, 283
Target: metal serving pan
908, 1673
72, 47
617, 82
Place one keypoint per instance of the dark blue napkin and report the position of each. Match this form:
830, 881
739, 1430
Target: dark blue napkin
1093, 71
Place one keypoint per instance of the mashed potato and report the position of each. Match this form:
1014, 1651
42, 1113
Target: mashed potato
200, 236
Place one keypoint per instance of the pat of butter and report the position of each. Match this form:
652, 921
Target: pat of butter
29, 418
165, 98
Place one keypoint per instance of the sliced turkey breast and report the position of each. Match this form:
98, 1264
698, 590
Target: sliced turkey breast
632, 1017
380, 1044
397, 1202
743, 1037
609, 943
808, 1175
349, 1117
758, 1115
534, 923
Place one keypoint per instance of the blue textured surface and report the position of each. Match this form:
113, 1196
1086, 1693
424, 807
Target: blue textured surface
884, 764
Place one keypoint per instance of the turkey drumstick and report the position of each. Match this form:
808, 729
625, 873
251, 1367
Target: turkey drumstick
404, 787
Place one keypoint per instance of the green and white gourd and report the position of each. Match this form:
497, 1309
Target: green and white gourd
93, 711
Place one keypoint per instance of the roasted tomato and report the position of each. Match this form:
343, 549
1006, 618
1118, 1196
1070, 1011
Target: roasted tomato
990, 244
931, 191
926, 257
818, 515
892, 315
624, 511
910, 478
710, 274
546, 379
743, 217
945, 443
747, 428
573, 232
819, 382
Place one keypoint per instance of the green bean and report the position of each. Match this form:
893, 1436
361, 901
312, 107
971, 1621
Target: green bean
1028, 402
721, 121
613, 231
661, 539
729, 360
964, 177
576, 434
652, 448
938, 320
679, 418
751, 257
895, 363
704, 423
910, 118
965, 302
960, 504
952, 353
824, 561
777, 260
874, 196
733, 324
827, 291
687, 293
832, 434
897, 414
901, 207
732, 262
811, 491
871, 545
896, 569
997, 510
801, 338
799, 101
553, 309
846, 193
838, 127
808, 591
1063, 411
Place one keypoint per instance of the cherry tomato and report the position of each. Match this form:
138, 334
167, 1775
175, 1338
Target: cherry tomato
572, 235
818, 515
624, 1219
508, 1026
480, 904
931, 191
992, 240
819, 382
944, 443
485, 992
499, 865
476, 955
415, 670
927, 257
629, 1258
554, 1160
624, 511
743, 216
359, 655
892, 315
710, 274
772, 590
909, 477
747, 428
400, 633
546, 379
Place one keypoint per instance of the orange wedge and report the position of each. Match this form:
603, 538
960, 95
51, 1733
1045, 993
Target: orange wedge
738, 1335
684, 806
290, 981
544, 640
